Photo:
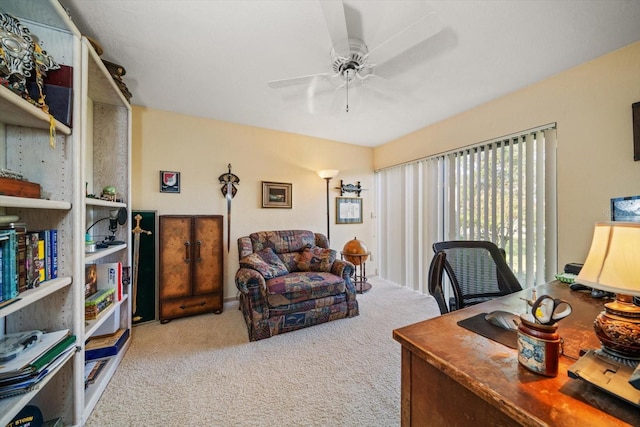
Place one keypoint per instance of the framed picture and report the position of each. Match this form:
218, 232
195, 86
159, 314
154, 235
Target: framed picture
276, 195
169, 182
348, 210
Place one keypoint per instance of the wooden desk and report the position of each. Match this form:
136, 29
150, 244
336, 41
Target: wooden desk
454, 377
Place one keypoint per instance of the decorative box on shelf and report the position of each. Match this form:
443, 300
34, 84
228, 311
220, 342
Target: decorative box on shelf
19, 188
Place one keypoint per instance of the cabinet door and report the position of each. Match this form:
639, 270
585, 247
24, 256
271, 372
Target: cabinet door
207, 255
176, 257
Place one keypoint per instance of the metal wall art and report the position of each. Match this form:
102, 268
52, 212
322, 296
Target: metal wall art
350, 188
229, 190
169, 182
276, 195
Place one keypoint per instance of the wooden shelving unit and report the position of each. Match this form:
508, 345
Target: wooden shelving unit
94, 153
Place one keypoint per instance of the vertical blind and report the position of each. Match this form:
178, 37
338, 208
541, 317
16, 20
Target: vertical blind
503, 191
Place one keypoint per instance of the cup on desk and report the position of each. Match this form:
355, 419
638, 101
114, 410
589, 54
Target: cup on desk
538, 346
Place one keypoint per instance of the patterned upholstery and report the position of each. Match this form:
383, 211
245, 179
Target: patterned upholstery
297, 299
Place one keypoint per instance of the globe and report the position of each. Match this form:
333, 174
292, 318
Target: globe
355, 247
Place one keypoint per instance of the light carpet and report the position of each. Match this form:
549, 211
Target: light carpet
202, 370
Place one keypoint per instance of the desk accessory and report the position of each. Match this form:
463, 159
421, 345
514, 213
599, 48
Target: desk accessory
547, 310
612, 266
539, 346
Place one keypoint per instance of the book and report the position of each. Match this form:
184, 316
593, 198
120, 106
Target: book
32, 261
36, 356
40, 261
45, 237
21, 241
91, 375
105, 345
53, 237
9, 273
110, 276
28, 377
90, 280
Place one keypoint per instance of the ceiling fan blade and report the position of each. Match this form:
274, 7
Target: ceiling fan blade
427, 26
337, 26
296, 81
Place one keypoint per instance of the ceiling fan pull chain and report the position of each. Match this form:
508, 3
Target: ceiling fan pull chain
347, 91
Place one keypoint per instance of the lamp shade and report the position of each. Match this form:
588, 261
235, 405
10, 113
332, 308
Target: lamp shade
328, 173
613, 263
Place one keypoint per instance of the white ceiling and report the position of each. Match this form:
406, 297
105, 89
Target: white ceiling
213, 58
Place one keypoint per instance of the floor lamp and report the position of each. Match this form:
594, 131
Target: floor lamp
327, 175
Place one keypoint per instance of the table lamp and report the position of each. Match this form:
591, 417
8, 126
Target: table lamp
613, 265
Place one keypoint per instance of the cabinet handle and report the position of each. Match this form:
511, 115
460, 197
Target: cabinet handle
187, 247
192, 305
198, 257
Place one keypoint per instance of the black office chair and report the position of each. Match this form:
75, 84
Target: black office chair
477, 271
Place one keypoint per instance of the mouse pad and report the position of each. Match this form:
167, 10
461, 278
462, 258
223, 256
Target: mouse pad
480, 326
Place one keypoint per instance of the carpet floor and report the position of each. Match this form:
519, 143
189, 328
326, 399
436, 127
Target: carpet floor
202, 370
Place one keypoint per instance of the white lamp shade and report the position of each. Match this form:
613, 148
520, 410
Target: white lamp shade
613, 263
328, 173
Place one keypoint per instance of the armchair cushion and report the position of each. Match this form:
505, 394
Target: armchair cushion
266, 262
315, 259
302, 286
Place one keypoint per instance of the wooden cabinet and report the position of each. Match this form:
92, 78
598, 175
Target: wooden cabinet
190, 261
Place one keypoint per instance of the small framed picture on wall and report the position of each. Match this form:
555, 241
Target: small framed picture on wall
169, 182
276, 195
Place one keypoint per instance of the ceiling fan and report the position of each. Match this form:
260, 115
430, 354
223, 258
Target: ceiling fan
352, 63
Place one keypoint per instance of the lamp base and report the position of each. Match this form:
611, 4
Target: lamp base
618, 327
607, 373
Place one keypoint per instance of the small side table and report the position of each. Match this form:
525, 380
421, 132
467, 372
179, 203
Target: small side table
360, 280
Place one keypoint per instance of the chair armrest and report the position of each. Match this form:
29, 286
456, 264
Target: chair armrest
345, 269
248, 280
252, 287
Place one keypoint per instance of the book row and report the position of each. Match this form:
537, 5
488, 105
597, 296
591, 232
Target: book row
27, 258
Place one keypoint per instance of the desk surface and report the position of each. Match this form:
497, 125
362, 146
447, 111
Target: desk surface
491, 370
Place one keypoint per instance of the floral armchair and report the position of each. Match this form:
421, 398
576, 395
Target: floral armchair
290, 279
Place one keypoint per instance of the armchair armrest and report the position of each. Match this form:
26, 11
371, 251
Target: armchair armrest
252, 285
247, 279
345, 269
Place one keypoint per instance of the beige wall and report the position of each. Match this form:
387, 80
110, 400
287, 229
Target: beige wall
200, 149
592, 107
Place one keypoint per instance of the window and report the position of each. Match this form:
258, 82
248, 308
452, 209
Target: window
502, 191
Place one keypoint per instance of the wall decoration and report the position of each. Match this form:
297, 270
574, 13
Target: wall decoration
229, 190
169, 182
348, 210
276, 195
350, 188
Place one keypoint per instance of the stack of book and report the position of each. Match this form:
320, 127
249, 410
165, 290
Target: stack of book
29, 357
27, 258
98, 302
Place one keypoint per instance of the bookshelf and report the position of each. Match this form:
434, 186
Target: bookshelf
91, 154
